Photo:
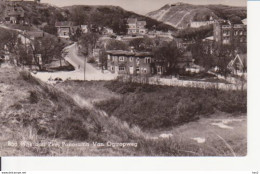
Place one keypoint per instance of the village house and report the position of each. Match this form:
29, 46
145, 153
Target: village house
14, 15
84, 28
238, 65
136, 27
65, 29
32, 35
185, 62
144, 63
198, 24
129, 62
107, 31
4, 53
226, 33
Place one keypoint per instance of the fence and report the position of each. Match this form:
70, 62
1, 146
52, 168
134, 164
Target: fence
239, 85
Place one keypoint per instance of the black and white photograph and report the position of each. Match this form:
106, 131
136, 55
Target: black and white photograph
120, 78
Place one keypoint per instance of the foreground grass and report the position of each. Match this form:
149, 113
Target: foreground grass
34, 112
129, 100
155, 107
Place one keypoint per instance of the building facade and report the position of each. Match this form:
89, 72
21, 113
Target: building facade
14, 15
132, 63
64, 29
226, 33
136, 27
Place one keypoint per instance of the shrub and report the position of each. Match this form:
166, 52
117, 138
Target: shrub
156, 107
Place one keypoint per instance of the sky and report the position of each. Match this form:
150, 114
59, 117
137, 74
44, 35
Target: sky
142, 6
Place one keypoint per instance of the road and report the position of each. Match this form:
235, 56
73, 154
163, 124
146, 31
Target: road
78, 62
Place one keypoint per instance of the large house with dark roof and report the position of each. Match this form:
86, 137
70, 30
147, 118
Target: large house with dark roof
128, 62
143, 63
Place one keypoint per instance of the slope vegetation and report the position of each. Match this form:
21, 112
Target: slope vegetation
181, 15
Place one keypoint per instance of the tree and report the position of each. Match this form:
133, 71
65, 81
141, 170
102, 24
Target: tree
9, 40
168, 54
116, 45
142, 44
224, 55
87, 43
48, 48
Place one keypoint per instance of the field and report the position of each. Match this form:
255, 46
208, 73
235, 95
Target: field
69, 114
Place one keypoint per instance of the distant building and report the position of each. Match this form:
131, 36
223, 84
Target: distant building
197, 24
136, 27
34, 34
14, 15
84, 28
20, 1
226, 33
65, 29
132, 63
143, 63
239, 64
107, 31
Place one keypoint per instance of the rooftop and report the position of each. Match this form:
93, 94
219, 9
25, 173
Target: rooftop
131, 20
64, 24
129, 53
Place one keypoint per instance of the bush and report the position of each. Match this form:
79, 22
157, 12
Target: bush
156, 107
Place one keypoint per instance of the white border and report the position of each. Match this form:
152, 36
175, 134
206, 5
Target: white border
249, 163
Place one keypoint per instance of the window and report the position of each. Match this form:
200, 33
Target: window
137, 70
148, 60
121, 58
144, 70
159, 70
241, 32
121, 68
138, 61
131, 59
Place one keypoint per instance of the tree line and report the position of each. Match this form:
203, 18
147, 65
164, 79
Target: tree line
28, 52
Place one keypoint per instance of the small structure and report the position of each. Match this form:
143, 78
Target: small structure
32, 35
84, 28
65, 29
136, 27
107, 31
239, 64
184, 62
208, 45
14, 15
198, 24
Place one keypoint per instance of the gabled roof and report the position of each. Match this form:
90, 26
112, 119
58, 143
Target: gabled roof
141, 23
36, 34
131, 20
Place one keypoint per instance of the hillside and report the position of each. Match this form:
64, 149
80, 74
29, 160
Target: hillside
111, 16
44, 120
44, 16
39, 15
180, 15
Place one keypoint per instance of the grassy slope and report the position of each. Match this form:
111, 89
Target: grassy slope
33, 111
174, 15
102, 92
